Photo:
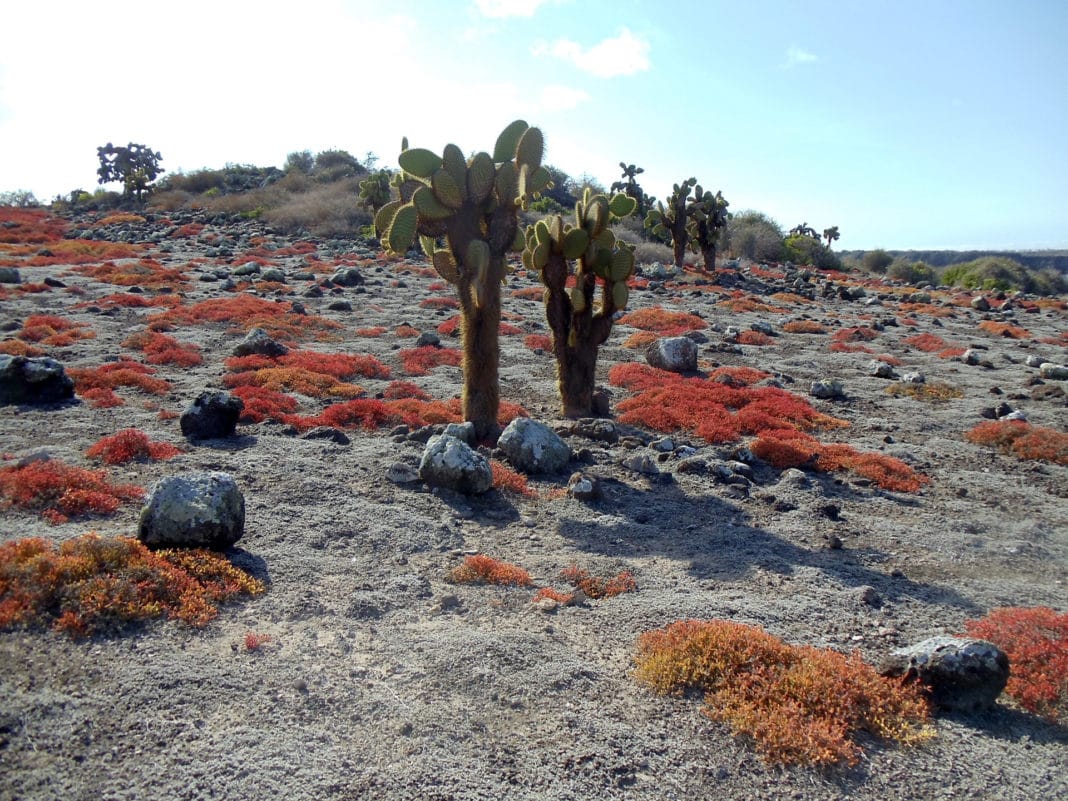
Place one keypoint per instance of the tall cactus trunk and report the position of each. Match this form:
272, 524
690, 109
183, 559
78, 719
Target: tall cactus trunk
576, 368
708, 253
479, 330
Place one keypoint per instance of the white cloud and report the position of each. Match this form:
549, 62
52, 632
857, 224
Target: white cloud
561, 98
795, 55
498, 9
626, 54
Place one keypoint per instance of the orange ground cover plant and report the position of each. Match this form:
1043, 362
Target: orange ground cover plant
264, 404
420, 361
243, 312
59, 491
1036, 642
337, 365
508, 480
538, 342
396, 390
1022, 440
373, 331
596, 586
54, 331
757, 338
91, 584
448, 328
294, 379
662, 321
29, 226
164, 349
1007, 330
16, 347
129, 444
796, 704
480, 568
804, 327
97, 384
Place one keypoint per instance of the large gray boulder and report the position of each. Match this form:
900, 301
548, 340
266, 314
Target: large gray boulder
961, 674
677, 354
33, 381
213, 415
450, 462
533, 447
198, 510
259, 342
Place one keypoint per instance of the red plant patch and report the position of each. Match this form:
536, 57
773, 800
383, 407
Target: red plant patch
405, 389
29, 226
163, 349
927, 342
859, 334
597, 587
129, 444
1007, 330
406, 331
60, 491
538, 342
16, 347
48, 329
449, 327
420, 361
758, 338
662, 321
485, 569
555, 595
1022, 440
529, 293
508, 480
294, 379
373, 331
804, 327
439, 303
244, 312
264, 404
90, 584
1036, 642
96, 384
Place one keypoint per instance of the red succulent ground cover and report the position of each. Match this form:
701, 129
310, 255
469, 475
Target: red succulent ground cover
129, 444
420, 361
1036, 642
163, 349
96, 385
663, 321
60, 491
29, 226
596, 586
91, 584
485, 569
1022, 439
243, 312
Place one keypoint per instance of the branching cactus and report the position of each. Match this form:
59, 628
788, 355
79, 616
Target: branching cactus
375, 190
472, 204
580, 324
670, 222
707, 214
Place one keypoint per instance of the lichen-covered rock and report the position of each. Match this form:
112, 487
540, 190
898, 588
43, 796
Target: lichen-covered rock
451, 463
533, 447
259, 342
199, 510
826, 389
962, 674
1053, 372
33, 381
213, 415
677, 354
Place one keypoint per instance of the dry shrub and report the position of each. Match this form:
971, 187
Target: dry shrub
329, 210
804, 327
60, 491
90, 584
797, 704
640, 339
129, 444
1022, 440
480, 569
294, 379
931, 391
650, 252
1036, 642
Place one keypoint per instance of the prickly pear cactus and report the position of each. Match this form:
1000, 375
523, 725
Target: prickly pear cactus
579, 320
375, 190
670, 222
707, 218
471, 205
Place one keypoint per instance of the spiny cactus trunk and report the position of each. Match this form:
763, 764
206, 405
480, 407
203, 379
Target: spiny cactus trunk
708, 253
576, 371
482, 356
576, 364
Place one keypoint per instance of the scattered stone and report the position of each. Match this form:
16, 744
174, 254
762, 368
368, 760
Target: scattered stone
9, 275
248, 268
880, 369
340, 306
273, 274
1055, 372
694, 465
451, 463
584, 487
401, 473
347, 276
675, 354
763, 327
980, 304
258, 342
792, 477
664, 445
213, 415
199, 510
33, 381
329, 433
642, 463
962, 674
596, 429
913, 378
826, 389
970, 356
463, 431
533, 447
1034, 361
428, 338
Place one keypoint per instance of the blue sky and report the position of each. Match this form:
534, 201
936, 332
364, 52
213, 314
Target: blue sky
939, 123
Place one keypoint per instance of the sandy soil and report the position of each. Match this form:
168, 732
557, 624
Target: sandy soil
384, 681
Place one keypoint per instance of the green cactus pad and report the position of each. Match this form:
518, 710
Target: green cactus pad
428, 205
576, 240
540, 255
556, 228
622, 205
445, 264
401, 231
531, 149
622, 265
620, 295
507, 183
452, 158
480, 177
527, 257
446, 189
519, 242
419, 162
477, 259
596, 216
508, 141
385, 216
541, 232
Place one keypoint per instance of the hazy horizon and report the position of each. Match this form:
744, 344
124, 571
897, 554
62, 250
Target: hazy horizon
912, 127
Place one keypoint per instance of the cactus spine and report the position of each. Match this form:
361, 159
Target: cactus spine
589, 251
474, 205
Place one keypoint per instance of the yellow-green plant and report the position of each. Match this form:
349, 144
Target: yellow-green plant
589, 251
473, 205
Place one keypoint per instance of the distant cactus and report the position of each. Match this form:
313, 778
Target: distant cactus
472, 203
375, 190
690, 222
589, 251
630, 186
